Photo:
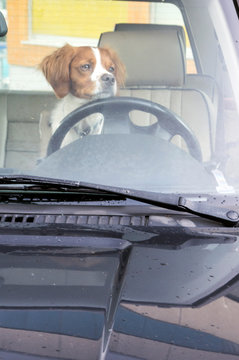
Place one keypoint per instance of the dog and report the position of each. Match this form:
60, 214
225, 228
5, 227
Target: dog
79, 75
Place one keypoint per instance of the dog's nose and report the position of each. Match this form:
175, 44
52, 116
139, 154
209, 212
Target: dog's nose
108, 79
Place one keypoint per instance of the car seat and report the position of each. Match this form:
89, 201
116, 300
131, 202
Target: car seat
155, 65
206, 83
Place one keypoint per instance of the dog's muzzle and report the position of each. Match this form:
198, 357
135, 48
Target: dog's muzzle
107, 80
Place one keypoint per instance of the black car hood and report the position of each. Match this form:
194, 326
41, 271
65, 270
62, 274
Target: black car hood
165, 290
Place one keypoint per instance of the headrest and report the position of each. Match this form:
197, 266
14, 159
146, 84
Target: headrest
136, 27
152, 58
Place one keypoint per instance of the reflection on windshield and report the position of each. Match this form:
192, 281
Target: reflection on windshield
52, 63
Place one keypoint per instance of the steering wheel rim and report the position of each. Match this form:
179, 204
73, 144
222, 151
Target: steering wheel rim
116, 117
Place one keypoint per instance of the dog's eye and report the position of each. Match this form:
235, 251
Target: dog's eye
111, 69
85, 67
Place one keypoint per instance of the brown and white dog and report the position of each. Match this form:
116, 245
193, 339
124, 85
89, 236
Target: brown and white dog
78, 75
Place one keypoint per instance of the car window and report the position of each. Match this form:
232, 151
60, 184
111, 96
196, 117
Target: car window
174, 54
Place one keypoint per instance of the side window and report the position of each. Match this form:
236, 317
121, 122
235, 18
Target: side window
169, 14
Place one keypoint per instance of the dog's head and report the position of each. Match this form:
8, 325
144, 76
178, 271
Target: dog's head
86, 72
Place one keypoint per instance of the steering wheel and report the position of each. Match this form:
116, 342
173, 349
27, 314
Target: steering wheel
116, 120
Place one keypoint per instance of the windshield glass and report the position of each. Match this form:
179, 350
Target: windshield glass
133, 94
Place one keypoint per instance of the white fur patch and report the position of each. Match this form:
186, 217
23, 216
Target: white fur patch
99, 71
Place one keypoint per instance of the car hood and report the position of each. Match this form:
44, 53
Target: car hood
160, 290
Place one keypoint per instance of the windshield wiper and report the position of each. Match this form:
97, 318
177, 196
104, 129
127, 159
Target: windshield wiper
208, 206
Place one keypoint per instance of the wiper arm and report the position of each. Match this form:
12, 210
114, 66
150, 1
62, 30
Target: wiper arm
207, 206
204, 206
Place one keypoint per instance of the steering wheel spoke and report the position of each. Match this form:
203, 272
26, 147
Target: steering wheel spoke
116, 120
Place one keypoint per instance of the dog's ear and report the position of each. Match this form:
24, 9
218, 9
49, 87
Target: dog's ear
56, 68
120, 70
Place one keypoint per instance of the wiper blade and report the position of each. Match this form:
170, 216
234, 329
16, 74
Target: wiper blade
207, 206
29, 182
36, 180
35, 188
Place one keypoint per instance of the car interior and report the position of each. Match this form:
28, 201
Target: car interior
168, 86
161, 77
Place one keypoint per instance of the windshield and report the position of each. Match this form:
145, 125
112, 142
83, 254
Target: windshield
142, 95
